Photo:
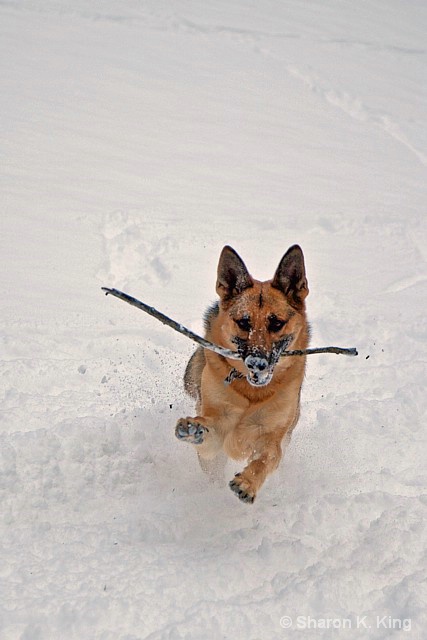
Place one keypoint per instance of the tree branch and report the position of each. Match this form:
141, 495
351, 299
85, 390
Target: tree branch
222, 351
227, 353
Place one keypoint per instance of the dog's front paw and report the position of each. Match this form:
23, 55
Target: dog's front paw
189, 430
242, 488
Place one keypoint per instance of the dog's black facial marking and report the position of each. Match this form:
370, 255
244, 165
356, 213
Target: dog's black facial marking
279, 347
261, 301
241, 344
244, 350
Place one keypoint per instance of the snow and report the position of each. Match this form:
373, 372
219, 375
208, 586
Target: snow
137, 139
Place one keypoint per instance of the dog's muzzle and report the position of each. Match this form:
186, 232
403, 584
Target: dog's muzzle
259, 365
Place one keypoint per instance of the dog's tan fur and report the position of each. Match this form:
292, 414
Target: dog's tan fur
249, 422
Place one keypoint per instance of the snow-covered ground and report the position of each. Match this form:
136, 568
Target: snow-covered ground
137, 138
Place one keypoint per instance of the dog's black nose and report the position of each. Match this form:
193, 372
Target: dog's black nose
256, 363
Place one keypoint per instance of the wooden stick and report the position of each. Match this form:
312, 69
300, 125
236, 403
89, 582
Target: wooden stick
227, 353
222, 351
307, 352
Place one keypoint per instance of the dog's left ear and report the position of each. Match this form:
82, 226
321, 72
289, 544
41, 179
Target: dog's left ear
290, 276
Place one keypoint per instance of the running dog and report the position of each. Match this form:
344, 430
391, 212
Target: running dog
247, 407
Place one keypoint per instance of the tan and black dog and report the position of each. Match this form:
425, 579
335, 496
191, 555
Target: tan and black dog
246, 407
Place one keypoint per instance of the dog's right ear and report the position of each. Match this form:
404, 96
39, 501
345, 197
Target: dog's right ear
233, 277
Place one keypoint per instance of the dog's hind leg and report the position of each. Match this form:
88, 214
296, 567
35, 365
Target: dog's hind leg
265, 459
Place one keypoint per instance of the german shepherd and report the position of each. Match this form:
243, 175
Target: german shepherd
246, 407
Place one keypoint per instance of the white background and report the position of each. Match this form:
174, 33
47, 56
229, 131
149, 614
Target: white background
137, 138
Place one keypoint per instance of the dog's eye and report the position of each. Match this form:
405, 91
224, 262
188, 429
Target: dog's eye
243, 324
274, 324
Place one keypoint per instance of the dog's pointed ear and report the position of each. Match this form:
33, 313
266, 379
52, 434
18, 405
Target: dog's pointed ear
290, 276
233, 277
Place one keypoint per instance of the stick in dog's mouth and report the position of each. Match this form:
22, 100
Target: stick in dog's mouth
226, 353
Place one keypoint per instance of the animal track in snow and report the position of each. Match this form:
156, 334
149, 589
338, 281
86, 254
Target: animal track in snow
356, 109
406, 283
134, 251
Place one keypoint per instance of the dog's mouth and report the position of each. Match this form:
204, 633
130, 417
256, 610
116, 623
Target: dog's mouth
260, 379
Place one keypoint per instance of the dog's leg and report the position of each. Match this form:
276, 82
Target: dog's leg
191, 430
201, 432
265, 459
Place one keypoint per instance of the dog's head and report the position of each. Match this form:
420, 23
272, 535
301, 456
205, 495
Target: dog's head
261, 318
